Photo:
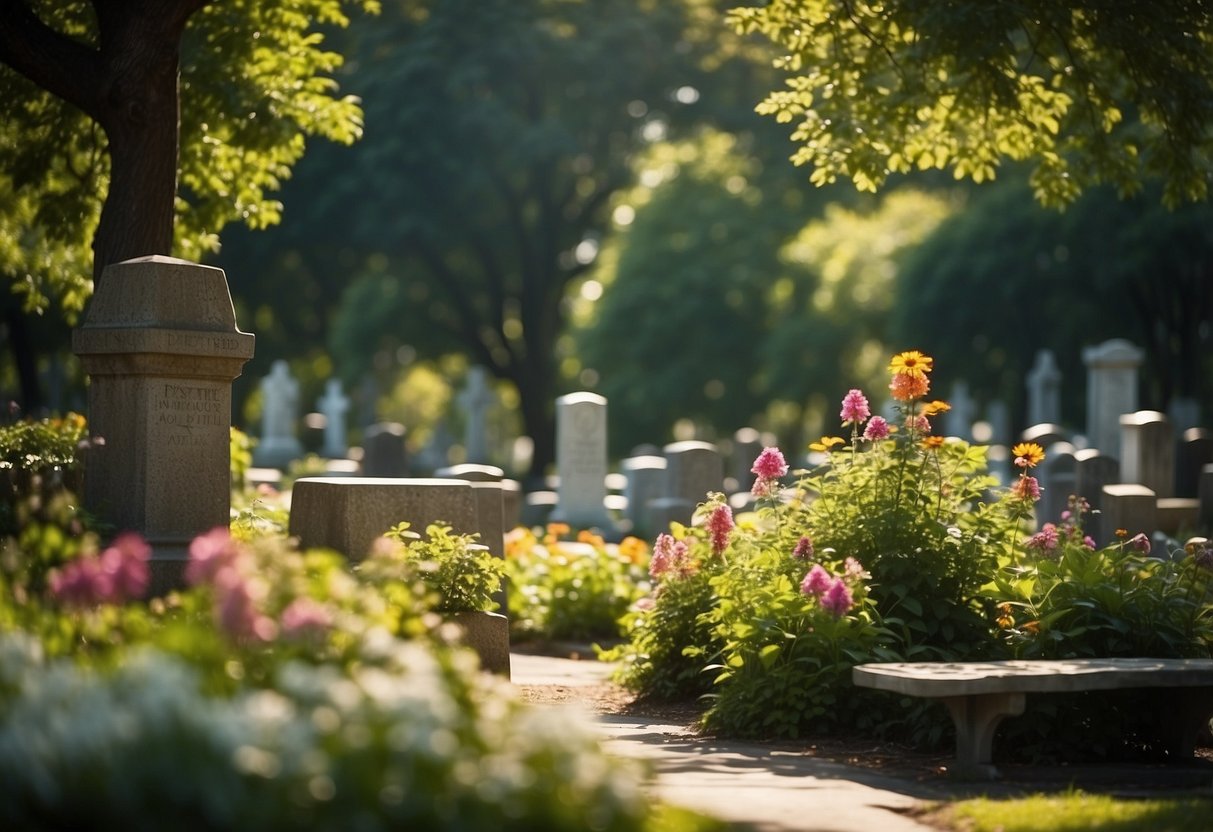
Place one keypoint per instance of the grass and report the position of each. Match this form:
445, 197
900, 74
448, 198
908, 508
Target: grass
1074, 811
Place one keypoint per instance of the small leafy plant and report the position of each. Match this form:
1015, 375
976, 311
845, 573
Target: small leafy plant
463, 573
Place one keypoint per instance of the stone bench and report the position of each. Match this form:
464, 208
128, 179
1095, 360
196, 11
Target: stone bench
979, 695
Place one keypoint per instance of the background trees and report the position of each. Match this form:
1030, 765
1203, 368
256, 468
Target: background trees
146, 127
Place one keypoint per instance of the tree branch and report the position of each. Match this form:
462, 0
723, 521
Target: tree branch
63, 67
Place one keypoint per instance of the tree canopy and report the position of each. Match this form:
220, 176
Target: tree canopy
1090, 91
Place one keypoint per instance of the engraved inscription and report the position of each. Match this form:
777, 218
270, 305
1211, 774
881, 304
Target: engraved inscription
188, 407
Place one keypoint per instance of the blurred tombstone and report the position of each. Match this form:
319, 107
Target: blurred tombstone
645, 483
334, 404
1130, 508
476, 399
1092, 471
383, 451
693, 470
279, 443
959, 420
581, 461
1194, 453
1058, 480
1044, 390
1112, 369
1044, 434
1148, 451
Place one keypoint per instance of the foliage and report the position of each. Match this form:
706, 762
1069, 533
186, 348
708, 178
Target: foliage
1087, 94
38, 457
463, 573
255, 82
571, 590
293, 690
1076, 810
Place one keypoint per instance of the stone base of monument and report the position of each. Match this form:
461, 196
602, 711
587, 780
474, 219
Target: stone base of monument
488, 633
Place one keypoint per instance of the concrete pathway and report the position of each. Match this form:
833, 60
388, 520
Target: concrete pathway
766, 789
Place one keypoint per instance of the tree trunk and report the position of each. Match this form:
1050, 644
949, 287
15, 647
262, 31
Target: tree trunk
139, 111
539, 421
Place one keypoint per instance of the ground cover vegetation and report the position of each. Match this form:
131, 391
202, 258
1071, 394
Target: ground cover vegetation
899, 546
281, 687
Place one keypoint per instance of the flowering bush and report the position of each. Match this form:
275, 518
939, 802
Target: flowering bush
897, 546
571, 589
283, 690
463, 573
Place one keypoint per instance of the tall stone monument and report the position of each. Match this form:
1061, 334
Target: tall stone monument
334, 404
161, 348
1111, 391
581, 460
279, 444
476, 399
1044, 390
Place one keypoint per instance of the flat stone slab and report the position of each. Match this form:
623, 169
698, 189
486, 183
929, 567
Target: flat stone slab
940, 679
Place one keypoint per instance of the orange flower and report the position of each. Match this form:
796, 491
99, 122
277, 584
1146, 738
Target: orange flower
935, 408
633, 549
587, 536
911, 363
1027, 454
932, 443
907, 388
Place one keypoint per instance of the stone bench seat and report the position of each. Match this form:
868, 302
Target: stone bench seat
979, 695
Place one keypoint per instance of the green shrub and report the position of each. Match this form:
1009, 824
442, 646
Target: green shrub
462, 573
572, 590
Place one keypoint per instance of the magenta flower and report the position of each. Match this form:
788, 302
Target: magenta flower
125, 563
720, 526
837, 599
1089, 542
81, 583
1045, 540
920, 424
877, 429
770, 465
669, 555
855, 408
1026, 489
236, 607
1140, 542
816, 581
210, 553
853, 569
305, 618
804, 548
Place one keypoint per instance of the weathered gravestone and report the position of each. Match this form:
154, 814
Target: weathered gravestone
279, 444
1148, 451
1205, 495
476, 399
693, 470
1195, 452
1130, 508
383, 450
1111, 392
161, 348
1044, 390
1058, 480
645, 483
1092, 471
581, 460
959, 420
334, 404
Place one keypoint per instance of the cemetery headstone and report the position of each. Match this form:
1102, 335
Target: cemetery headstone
645, 483
334, 404
581, 460
959, 420
383, 451
1205, 495
279, 444
1092, 471
693, 469
1058, 480
1112, 369
160, 346
472, 472
476, 399
1044, 390
1148, 451
1044, 434
1129, 507
1195, 452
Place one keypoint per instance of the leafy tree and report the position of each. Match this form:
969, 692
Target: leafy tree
497, 133
146, 127
1090, 91
1002, 279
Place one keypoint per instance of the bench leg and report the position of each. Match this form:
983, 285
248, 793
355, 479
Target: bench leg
976, 717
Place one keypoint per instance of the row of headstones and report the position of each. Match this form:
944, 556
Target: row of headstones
1158, 484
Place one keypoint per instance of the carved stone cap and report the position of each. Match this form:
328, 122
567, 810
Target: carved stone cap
163, 305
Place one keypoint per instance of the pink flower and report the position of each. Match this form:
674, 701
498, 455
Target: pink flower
837, 599
81, 583
804, 548
855, 408
304, 618
1045, 540
210, 553
720, 526
1089, 542
1026, 488
816, 581
669, 555
236, 607
770, 464
125, 563
920, 424
877, 429
853, 569
1140, 542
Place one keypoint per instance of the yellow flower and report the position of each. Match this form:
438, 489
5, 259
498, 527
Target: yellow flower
826, 443
633, 549
932, 443
587, 536
935, 408
1027, 454
911, 363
